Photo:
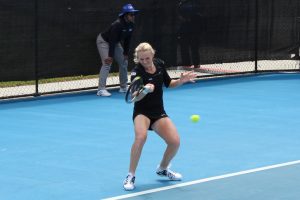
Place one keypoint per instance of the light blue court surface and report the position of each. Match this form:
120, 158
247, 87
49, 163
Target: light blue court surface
76, 147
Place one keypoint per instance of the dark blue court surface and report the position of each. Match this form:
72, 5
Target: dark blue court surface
75, 147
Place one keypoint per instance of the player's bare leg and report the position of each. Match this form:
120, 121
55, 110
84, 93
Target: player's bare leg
167, 130
141, 128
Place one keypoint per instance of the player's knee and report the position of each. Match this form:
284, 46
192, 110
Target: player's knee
141, 139
175, 142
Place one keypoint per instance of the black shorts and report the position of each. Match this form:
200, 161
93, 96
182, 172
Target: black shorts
153, 117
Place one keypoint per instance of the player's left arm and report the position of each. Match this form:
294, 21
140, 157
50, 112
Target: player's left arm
184, 78
188, 76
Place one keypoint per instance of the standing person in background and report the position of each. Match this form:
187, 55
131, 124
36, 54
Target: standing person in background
189, 32
149, 112
113, 44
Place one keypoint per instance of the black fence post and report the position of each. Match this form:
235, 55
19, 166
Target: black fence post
256, 36
36, 48
298, 40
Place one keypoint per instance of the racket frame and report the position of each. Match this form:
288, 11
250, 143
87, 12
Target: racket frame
138, 91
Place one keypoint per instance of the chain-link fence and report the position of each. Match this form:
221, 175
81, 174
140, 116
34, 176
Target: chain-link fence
50, 46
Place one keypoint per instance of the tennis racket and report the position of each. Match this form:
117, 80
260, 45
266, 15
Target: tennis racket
135, 89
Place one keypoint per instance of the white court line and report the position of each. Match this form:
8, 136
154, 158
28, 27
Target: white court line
204, 180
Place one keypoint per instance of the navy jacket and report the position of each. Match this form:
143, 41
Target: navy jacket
119, 31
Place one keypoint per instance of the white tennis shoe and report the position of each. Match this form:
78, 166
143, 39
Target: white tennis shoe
123, 90
103, 93
174, 176
128, 183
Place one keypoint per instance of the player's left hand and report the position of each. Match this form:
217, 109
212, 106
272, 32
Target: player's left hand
188, 77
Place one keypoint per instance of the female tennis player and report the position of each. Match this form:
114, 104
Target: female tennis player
149, 113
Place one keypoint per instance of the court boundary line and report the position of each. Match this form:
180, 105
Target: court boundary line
204, 180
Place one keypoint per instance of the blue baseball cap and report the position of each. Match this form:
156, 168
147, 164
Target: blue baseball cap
128, 8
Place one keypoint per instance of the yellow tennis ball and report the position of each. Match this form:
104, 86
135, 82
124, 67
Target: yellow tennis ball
195, 118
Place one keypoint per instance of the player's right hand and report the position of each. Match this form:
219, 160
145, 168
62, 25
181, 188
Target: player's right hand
148, 88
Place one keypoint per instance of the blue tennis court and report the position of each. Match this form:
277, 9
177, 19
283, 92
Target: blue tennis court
76, 146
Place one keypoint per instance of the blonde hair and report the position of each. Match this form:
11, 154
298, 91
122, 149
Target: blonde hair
144, 46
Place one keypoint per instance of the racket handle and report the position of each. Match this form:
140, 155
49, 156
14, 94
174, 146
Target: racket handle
146, 89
